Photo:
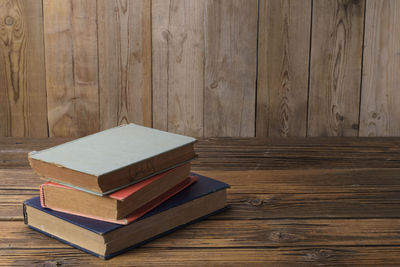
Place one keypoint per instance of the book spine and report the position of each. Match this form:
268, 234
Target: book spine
41, 194
24, 212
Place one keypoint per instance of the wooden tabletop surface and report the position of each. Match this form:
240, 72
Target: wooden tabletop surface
313, 201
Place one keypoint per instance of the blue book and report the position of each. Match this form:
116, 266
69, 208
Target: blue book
106, 240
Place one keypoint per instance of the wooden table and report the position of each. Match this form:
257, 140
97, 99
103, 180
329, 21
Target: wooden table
311, 201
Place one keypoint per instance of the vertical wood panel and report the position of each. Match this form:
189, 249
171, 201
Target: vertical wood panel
178, 66
204, 67
380, 103
336, 55
124, 39
22, 72
230, 67
71, 67
283, 58
160, 61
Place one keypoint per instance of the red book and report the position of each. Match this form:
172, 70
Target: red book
121, 207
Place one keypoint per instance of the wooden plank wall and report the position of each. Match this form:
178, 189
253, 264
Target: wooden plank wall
124, 48
22, 72
283, 59
335, 68
72, 82
239, 68
178, 63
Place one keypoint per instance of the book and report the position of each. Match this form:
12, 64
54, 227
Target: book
107, 161
106, 240
118, 206
139, 212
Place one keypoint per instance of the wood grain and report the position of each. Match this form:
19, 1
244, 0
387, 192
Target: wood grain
230, 68
267, 206
178, 66
244, 233
335, 70
23, 110
286, 256
291, 217
253, 153
15, 179
296, 153
79, 66
303, 181
124, 40
11, 203
314, 205
70, 34
283, 58
361, 180
265, 195
380, 98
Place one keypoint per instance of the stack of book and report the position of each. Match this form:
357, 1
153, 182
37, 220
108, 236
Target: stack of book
118, 189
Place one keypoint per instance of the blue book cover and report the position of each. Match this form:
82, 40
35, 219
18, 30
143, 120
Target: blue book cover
202, 187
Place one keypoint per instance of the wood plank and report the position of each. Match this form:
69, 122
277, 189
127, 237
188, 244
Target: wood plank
230, 67
216, 163
306, 181
340, 142
283, 58
23, 110
178, 66
380, 98
261, 181
250, 153
326, 205
335, 70
295, 256
350, 143
267, 206
11, 203
15, 179
28, 141
71, 67
14, 151
244, 233
270, 159
296, 153
124, 39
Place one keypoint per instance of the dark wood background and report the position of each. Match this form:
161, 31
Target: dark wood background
202, 68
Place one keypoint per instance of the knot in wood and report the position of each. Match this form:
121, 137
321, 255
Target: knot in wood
166, 34
214, 85
339, 117
9, 20
279, 236
256, 202
52, 264
317, 254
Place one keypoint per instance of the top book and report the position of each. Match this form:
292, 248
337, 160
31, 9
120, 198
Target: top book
107, 161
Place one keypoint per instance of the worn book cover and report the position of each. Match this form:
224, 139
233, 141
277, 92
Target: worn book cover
120, 205
103, 239
107, 161
134, 215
